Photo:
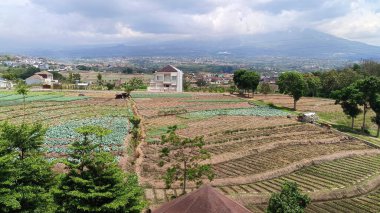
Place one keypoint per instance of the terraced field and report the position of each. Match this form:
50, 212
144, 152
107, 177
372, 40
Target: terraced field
366, 203
253, 155
330, 175
62, 112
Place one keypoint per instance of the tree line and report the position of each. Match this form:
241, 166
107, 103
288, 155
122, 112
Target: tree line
355, 88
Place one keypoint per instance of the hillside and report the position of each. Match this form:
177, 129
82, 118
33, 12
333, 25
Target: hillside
292, 43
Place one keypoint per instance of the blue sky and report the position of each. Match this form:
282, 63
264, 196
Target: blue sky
61, 23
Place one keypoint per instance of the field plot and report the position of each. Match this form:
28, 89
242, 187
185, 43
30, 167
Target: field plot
331, 175
59, 137
255, 149
61, 113
304, 104
325, 108
365, 203
14, 99
150, 105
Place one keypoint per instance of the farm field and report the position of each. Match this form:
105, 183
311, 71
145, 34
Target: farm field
62, 112
254, 148
107, 76
325, 109
253, 151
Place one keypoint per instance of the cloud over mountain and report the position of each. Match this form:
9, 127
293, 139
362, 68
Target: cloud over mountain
59, 23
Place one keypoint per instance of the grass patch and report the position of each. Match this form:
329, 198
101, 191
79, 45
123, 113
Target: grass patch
12, 99
158, 131
356, 132
257, 103
340, 118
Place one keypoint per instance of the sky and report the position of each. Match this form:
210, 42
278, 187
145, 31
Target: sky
63, 23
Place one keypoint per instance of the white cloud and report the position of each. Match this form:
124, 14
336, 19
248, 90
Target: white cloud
49, 23
362, 23
237, 19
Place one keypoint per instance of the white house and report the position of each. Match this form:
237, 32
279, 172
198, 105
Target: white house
4, 84
44, 77
168, 78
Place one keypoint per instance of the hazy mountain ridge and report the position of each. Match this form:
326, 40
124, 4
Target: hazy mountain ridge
294, 43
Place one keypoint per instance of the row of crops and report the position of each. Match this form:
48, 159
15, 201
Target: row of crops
217, 100
332, 175
161, 95
326, 176
58, 137
14, 99
252, 111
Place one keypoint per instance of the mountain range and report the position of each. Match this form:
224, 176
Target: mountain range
292, 43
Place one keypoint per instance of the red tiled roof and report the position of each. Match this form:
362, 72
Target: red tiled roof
168, 68
203, 200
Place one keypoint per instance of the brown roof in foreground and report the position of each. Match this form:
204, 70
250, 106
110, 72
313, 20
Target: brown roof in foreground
203, 200
168, 68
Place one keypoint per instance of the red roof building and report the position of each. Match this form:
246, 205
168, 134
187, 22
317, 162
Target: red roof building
203, 200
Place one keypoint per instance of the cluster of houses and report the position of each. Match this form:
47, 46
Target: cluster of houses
171, 78
43, 78
167, 79
41, 64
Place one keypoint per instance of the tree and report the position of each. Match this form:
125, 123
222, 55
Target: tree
76, 77
186, 84
201, 82
238, 81
29, 72
9, 76
31, 176
349, 99
245, 80
375, 105
58, 76
376, 119
370, 68
313, 84
293, 84
100, 81
22, 89
110, 86
83, 67
8, 180
368, 89
265, 88
133, 84
289, 200
94, 182
185, 156
232, 89
250, 81
329, 82
356, 67
24, 138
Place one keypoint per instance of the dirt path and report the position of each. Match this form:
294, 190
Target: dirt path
138, 152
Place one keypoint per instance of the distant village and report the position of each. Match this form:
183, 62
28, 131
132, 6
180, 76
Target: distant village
44, 78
